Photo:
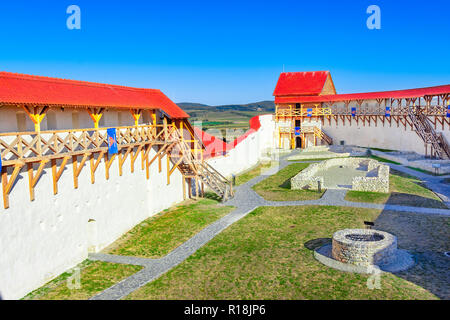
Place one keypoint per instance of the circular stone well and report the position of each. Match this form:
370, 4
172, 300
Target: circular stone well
364, 247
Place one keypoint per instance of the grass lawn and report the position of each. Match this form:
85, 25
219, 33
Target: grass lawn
278, 186
252, 173
95, 276
268, 255
383, 160
158, 235
404, 190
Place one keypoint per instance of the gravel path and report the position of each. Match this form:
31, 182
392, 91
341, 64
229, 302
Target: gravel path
246, 200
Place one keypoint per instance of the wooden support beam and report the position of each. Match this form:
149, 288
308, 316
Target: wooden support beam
36, 116
168, 168
56, 173
122, 159
96, 115
108, 163
136, 113
175, 166
134, 157
77, 168
34, 178
183, 179
95, 163
8, 184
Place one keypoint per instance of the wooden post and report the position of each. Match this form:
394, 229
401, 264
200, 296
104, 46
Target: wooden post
184, 186
136, 115
36, 116
96, 115
8, 184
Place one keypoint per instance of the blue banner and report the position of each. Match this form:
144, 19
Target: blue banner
388, 112
448, 114
353, 111
309, 112
112, 141
0, 163
297, 131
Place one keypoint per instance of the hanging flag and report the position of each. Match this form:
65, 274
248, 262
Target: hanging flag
112, 141
0, 163
448, 114
353, 111
388, 112
297, 131
309, 112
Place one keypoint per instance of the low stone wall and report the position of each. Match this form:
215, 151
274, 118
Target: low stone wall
380, 183
377, 182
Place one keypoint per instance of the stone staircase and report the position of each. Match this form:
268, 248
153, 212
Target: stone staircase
426, 132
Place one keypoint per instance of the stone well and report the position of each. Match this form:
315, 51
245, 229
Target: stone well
364, 247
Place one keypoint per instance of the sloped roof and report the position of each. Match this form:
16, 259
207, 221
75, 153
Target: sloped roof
19, 89
213, 145
396, 94
300, 83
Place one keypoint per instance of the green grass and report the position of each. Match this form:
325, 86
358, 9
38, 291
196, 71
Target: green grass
268, 255
157, 236
383, 160
318, 159
252, 173
278, 186
427, 172
404, 190
95, 276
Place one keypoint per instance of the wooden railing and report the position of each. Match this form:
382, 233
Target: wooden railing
432, 110
33, 147
303, 112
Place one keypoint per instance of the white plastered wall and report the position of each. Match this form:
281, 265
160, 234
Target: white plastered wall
384, 137
248, 152
41, 239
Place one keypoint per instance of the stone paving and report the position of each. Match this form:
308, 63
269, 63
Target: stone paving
246, 200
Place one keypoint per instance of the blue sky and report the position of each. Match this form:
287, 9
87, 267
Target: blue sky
223, 52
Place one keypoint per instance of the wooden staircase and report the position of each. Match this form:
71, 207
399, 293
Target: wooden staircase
322, 135
192, 167
426, 132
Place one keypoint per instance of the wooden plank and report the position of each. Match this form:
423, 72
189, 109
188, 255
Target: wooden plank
33, 178
108, 163
56, 174
8, 184
77, 168
94, 164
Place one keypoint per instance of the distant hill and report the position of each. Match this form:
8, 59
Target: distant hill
264, 106
232, 116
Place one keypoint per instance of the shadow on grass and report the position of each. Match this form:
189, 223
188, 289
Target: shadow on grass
213, 196
286, 184
316, 243
405, 199
426, 238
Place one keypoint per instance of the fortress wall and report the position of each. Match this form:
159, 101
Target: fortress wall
248, 152
394, 138
41, 239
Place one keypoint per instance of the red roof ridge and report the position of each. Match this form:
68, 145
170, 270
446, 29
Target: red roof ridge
5, 74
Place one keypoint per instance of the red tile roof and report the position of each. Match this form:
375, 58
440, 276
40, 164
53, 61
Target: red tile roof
397, 94
19, 89
213, 145
300, 83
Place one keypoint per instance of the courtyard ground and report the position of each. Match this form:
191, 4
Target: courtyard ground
264, 248
404, 190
